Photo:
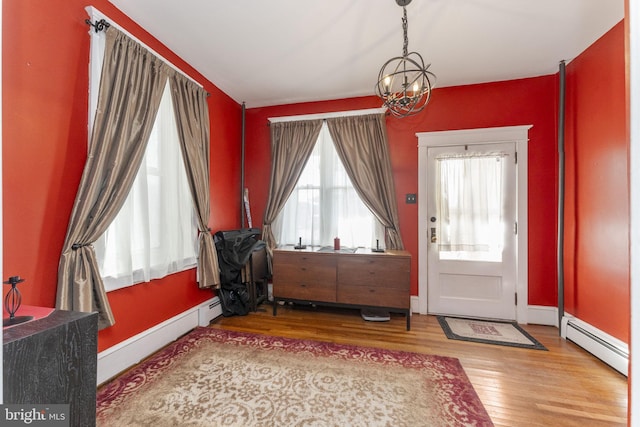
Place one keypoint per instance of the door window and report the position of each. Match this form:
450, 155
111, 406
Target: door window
469, 199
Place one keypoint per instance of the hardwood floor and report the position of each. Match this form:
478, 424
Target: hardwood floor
564, 386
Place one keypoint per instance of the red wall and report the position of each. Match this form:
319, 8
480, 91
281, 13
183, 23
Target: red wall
518, 102
45, 83
597, 278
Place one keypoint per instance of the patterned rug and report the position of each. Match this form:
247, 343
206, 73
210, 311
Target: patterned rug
221, 378
488, 332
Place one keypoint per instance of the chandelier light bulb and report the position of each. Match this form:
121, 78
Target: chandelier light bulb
387, 84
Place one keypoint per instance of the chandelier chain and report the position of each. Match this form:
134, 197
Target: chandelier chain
404, 29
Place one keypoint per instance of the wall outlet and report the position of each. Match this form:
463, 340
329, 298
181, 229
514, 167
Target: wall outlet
411, 199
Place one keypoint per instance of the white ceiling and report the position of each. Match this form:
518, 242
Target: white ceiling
271, 52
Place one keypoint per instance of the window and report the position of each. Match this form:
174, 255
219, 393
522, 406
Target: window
155, 232
470, 206
325, 205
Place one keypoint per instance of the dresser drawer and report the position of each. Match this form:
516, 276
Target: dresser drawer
305, 291
310, 268
304, 276
375, 271
373, 296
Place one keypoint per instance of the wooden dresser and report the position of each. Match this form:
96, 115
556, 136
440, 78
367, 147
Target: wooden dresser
363, 279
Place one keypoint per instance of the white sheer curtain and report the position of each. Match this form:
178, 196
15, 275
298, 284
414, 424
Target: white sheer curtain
324, 205
155, 232
470, 205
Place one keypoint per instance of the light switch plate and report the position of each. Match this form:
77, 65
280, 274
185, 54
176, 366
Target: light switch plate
410, 198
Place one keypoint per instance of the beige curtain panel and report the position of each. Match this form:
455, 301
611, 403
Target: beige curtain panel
361, 143
291, 146
192, 118
130, 91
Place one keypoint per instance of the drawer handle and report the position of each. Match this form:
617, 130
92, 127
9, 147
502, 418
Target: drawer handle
372, 291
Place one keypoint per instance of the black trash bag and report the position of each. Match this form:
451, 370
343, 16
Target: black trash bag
234, 299
234, 248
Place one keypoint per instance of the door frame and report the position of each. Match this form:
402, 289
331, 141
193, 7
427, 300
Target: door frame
520, 136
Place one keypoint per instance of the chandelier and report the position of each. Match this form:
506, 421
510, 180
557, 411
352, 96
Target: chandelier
404, 82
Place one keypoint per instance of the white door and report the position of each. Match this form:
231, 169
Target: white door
472, 230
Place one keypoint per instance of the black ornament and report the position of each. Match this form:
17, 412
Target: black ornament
12, 302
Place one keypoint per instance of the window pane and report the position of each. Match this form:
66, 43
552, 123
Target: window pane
155, 233
325, 205
470, 207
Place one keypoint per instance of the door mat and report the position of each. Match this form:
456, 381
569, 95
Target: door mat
488, 332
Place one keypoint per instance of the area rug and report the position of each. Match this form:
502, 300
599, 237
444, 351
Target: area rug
488, 332
214, 377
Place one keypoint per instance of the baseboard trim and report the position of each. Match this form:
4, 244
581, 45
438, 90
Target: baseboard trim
542, 315
128, 353
536, 314
415, 304
605, 347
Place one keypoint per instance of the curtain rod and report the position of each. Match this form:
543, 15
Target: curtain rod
103, 21
326, 115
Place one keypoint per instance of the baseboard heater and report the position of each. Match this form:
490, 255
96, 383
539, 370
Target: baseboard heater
126, 354
208, 311
610, 350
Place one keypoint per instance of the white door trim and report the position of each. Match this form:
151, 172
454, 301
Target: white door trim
517, 134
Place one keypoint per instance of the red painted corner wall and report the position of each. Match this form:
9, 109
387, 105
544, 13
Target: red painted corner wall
45, 84
510, 103
597, 281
